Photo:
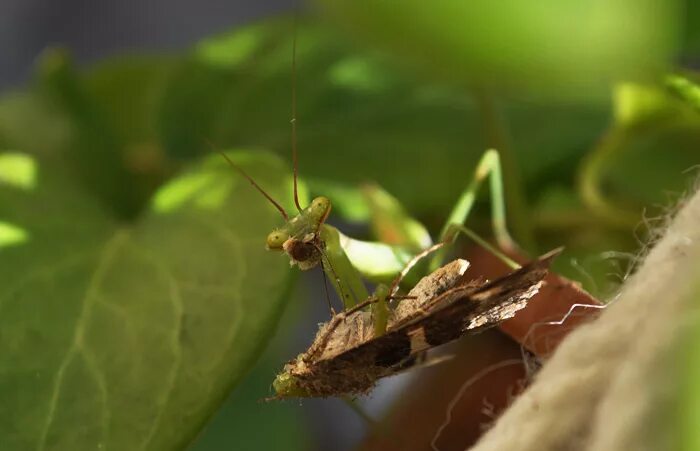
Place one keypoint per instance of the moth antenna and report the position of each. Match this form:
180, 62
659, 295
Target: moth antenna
294, 112
325, 287
411, 263
252, 182
330, 266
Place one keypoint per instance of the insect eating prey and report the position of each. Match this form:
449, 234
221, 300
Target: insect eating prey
374, 336
308, 241
348, 358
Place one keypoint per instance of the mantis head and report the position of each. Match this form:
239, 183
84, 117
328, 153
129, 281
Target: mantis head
299, 237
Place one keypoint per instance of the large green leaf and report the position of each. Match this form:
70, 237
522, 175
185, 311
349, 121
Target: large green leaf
570, 49
121, 337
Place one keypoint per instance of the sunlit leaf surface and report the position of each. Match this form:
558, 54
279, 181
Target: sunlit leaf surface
120, 337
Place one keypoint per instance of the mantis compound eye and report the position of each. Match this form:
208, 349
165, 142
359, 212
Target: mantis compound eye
319, 208
276, 239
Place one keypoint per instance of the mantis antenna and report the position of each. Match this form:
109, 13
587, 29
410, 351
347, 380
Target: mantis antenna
252, 182
294, 112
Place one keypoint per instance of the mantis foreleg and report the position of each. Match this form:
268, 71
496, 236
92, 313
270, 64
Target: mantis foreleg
456, 229
489, 165
345, 278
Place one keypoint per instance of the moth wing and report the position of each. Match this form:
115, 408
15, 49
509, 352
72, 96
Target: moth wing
458, 310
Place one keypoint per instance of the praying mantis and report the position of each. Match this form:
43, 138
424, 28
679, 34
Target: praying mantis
309, 241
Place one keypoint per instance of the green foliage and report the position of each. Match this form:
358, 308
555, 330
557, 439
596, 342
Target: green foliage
688, 399
566, 49
129, 336
685, 89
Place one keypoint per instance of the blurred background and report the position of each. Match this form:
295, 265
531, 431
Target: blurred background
104, 118
95, 30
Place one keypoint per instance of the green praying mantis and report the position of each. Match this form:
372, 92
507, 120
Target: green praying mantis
309, 241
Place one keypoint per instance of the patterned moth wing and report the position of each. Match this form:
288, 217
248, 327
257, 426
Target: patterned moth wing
346, 359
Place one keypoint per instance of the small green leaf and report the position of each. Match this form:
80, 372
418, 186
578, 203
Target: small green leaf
685, 89
390, 222
347, 201
129, 338
18, 170
635, 104
12, 235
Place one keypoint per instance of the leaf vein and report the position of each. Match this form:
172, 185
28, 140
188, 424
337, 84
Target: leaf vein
178, 309
104, 261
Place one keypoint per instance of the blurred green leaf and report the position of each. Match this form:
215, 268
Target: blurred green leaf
28, 121
11, 235
653, 167
17, 169
691, 30
390, 222
359, 118
95, 151
131, 337
565, 49
246, 423
644, 161
685, 89
638, 105
130, 90
347, 201
688, 398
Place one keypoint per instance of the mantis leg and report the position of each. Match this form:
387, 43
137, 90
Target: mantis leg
378, 262
489, 166
400, 236
456, 229
345, 278
380, 310
391, 224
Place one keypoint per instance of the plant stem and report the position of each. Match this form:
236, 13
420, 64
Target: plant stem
590, 182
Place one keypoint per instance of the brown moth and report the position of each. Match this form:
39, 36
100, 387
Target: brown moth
347, 359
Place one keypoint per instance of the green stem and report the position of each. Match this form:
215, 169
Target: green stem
590, 182
489, 166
